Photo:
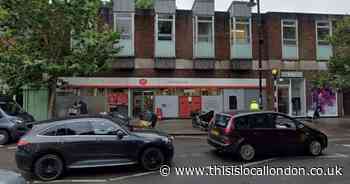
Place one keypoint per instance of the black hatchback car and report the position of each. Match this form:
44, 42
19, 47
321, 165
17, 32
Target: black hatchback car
249, 134
84, 142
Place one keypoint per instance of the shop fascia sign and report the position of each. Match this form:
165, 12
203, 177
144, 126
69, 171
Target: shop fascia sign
292, 74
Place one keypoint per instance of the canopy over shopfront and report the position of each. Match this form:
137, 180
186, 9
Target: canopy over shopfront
95, 82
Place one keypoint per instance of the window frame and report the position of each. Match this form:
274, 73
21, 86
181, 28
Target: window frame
64, 124
287, 118
295, 26
172, 20
233, 28
330, 31
125, 16
118, 127
211, 24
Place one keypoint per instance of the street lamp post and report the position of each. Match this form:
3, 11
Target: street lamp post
275, 73
252, 4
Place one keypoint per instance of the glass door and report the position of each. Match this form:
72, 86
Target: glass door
143, 101
283, 99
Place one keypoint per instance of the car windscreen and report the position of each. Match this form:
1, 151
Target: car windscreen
222, 120
11, 108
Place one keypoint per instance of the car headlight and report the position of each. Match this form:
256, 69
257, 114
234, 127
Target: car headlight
17, 121
169, 140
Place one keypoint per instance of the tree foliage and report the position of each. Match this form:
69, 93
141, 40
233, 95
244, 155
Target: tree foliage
37, 48
338, 75
144, 4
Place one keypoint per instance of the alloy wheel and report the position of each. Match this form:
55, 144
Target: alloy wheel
48, 168
152, 159
315, 148
247, 152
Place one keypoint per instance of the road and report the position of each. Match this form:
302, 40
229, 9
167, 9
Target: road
195, 152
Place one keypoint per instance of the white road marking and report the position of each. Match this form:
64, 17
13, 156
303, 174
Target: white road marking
191, 137
74, 181
336, 155
346, 145
132, 176
1, 146
12, 148
259, 162
338, 139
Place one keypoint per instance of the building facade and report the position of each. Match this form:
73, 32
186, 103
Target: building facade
180, 61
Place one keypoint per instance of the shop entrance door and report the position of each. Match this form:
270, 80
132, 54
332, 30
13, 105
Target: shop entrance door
188, 105
143, 101
346, 103
283, 99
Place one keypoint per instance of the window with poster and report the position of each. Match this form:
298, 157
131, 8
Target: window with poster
326, 99
118, 101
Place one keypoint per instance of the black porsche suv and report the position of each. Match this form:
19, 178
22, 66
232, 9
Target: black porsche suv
83, 142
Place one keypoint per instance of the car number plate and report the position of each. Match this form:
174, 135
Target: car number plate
215, 132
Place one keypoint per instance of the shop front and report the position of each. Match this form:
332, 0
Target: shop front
295, 99
292, 94
173, 97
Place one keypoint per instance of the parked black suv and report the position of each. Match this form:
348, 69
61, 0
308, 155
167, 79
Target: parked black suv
83, 142
14, 121
248, 134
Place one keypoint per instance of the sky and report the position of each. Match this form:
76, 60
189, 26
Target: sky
309, 6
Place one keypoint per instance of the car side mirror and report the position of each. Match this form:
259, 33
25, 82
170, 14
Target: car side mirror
120, 134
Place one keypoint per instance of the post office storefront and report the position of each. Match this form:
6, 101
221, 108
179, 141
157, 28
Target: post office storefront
175, 97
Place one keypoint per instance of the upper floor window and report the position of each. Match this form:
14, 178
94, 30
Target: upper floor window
289, 32
323, 32
123, 24
205, 29
241, 30
165, 27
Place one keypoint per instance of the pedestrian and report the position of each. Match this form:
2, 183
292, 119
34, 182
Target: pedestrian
254, 106
83, 107
317, 111
74, 109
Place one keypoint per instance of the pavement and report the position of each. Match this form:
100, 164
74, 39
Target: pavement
179, 127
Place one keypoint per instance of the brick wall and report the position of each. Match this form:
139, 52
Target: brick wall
144, 34
272, 25
184, 35
222, 36
255, 39
307, 37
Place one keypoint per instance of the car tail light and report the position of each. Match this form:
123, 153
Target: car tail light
23, 143
229, 127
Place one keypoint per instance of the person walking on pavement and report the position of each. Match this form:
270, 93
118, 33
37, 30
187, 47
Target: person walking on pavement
254, 106
83, 107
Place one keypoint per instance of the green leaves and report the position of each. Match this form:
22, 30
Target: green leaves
338, 75
38, 41
144, 4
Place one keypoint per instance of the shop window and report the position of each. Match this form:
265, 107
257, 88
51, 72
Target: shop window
323, 32
123, 24
233, 102
289, 32
240, 30
165, 27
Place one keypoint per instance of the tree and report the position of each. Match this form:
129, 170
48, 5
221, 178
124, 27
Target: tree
338, 75
144, 4
48, 39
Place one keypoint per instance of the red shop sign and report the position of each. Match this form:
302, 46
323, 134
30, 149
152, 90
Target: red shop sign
143, 82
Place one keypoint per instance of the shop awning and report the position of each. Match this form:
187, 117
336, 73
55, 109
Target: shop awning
97, 82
